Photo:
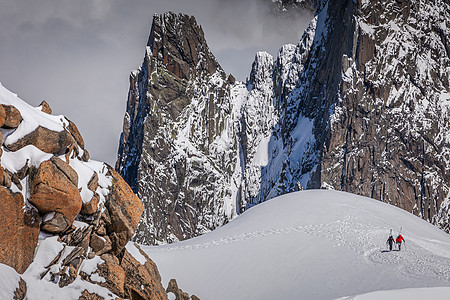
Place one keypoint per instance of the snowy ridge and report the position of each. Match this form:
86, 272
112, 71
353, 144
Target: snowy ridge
310, 245
33, 117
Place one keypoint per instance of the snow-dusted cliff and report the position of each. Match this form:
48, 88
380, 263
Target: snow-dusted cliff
360, 104
179, 149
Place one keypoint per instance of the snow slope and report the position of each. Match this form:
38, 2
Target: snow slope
314, 244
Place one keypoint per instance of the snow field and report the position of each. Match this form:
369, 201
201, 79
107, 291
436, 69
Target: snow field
308, 245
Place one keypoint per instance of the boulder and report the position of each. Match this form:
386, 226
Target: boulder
2, 176
100, 245
45, 107
79, 237
113, 273
179, 294
2, 115
90, 207
70, 266
54, 188
46, 140
12, 117
93, 182
72, 128
58, 223
86, 156
141, 281
21, 291
85, 295
125, 210
173, 288
6, 180
20, 231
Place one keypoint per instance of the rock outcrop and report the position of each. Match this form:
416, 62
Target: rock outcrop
54, 188
83, 212
20, 230
179, 294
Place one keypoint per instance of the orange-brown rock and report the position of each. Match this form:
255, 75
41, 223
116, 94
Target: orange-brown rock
179, 294
21, 291
93, 182
45, 107
113, 274
46, 140
2, 176
12, 117
125, 210
90, 207
141, 281
75, 133
20, 231
53, 187
85, 157
100, 245
85, 295
2, 115
6, 178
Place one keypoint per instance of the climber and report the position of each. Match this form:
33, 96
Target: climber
399, 240
390, 242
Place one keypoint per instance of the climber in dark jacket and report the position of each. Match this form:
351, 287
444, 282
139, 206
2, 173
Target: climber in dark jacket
390, 242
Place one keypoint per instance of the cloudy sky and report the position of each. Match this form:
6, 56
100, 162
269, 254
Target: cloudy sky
78, 54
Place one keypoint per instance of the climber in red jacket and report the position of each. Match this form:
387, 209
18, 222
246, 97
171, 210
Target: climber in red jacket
399, 240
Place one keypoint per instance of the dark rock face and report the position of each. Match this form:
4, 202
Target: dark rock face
389, 127
180, 53
177, 108
367, 114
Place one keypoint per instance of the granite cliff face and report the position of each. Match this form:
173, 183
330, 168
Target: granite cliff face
389, 126
360, 104
178, 148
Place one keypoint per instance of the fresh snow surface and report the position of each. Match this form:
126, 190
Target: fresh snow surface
131, 248
9, 281
47, 250
410, 294
310, 245
32, 117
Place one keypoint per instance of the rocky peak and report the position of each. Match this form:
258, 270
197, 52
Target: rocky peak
178, 119
261, 70
179, 43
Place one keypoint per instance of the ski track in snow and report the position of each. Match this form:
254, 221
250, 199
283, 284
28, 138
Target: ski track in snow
351, 232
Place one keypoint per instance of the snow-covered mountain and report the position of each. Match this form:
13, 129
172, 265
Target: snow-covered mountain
360, 104
314, 244
178, 150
